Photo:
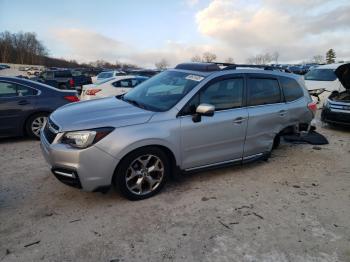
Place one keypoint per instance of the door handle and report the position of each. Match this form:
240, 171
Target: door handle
282, 112
239, 120
23, 102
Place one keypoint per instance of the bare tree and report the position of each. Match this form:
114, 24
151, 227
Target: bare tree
318, 59
260, 59
196, 58
229, 60
275, 55
208, 57
162, 64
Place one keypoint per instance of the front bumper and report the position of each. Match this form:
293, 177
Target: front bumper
92, 168
330, 116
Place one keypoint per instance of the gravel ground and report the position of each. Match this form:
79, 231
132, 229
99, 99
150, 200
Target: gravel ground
295, 207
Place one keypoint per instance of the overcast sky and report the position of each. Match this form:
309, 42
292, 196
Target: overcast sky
143, 32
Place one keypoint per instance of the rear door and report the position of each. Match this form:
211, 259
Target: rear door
267, 111
296, 101
15, 103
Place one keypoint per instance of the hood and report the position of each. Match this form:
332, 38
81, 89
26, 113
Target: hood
99, 113
326, 85
343, 74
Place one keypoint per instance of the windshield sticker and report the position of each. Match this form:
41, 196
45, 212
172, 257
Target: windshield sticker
194, 78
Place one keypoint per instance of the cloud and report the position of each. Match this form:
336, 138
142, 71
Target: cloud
297, 29
85, 46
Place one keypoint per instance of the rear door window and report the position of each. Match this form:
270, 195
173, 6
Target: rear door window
25, 91
291, 89
14, 90
262, 91
7, 90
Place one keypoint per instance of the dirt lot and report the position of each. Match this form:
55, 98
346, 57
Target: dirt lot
295, 207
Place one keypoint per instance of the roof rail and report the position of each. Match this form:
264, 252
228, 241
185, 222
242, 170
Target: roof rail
229, 66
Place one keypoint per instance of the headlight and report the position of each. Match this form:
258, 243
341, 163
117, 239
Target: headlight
85, 138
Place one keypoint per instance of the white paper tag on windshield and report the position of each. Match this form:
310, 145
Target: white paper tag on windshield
194, 78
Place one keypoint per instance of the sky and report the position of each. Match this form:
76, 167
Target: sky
144, 32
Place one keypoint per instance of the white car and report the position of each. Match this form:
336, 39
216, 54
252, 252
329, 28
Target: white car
321, 81
111, 87
107, 74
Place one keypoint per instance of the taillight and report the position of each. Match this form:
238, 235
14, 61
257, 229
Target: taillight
71, 98
313, 107
71, 82
92, 92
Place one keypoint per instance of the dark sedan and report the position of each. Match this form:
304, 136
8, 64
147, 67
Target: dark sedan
25, 105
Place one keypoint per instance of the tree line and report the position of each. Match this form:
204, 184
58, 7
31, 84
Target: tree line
25, 48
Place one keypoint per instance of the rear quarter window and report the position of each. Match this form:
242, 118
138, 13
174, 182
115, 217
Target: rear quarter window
291, 89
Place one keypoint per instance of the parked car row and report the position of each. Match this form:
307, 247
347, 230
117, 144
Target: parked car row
3, 66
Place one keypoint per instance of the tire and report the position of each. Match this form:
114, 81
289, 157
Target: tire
133, 177
34, 124
276, 142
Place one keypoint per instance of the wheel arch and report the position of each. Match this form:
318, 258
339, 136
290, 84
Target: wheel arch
169, 153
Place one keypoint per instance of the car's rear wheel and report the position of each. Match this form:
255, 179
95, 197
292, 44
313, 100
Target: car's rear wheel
35, 123
142, 173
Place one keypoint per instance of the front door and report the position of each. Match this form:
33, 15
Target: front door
220, 138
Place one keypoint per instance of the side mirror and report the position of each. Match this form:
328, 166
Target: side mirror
203, 110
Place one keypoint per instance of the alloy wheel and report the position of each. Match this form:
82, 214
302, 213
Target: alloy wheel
37, 124
144, 174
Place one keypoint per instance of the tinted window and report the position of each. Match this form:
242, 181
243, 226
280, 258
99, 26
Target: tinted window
126, 83
7, 90
263, 91
321, 75
63, 74
291, 89
25, 91
225, 94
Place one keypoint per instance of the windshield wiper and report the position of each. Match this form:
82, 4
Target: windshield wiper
133, 102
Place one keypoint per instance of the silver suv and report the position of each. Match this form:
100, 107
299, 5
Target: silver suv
195, 116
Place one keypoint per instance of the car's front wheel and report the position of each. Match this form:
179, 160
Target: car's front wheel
142, 173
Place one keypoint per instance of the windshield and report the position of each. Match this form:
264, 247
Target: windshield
105, 75
163, 91
321, 75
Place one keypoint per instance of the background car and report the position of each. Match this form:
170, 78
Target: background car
336, 109
25, 105
111, 87
107, 74
64, 79
323, 80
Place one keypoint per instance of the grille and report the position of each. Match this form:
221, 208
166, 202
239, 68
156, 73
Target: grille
49, 134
